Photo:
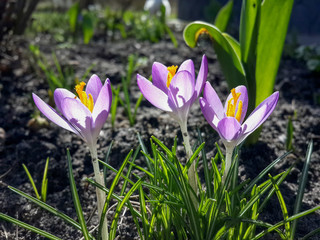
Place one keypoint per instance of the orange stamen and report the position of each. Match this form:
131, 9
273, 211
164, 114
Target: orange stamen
87, 101
172, 71
231, 108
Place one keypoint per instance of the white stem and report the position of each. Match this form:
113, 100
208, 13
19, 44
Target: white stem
192, 169
228, 161
101, 196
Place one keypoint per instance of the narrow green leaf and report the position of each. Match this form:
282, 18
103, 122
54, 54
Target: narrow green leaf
289, 137
223, 16
28, 227
73, 16
76, 200
112, 187
113, 227
263, 173
282, 205
302, 184
310, 234
279, 224
31, 181
44, 185
229, 60
87, 28
207, 176
145, 223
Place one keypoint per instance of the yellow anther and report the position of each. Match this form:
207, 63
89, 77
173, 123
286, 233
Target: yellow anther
231, 108
239, 112
87, 101
172, 71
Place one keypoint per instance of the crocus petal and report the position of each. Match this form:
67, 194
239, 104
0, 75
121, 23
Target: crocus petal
208, 113
153, 94
101, 109
159, 76
213, 99
51, 114
93, 87
60, 94
202, 76
261, 113
228, 129
79, 116
187, 66
181, 89
243, 97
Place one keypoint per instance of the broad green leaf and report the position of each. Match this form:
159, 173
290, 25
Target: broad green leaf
223, 16
234, 43
275, 16
227, 56
249, 26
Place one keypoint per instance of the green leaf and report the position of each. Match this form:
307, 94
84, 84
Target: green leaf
44, 186
73, 13
282, 204
28, 227
87, 28
31, 181
275, 16
47, 207
262, 173
223, 16
227, 56
289, 136
249, 26
76, 200
301, 189
113, 185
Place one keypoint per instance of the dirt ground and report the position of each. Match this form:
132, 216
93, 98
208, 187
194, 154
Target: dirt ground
20, 144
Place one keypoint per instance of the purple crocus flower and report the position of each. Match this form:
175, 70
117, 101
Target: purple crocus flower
228, 121
174, 91
84, 114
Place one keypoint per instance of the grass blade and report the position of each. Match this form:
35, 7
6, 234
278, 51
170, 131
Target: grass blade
29, 227
302, 185
44, 186
262, 173
31, 181
76, 200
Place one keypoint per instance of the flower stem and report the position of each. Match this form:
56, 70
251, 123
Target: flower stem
192, 169
228, 161
101, 196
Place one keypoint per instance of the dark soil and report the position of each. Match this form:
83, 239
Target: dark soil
20, 144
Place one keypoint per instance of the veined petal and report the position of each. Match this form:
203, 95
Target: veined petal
153, 94
159, 76
243, 97
60, 94
101, 109
51, 114
181, 89
80, 117
261, 113
93, 87
213, 99
229, 129
209, 113
187, 66
202, 76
